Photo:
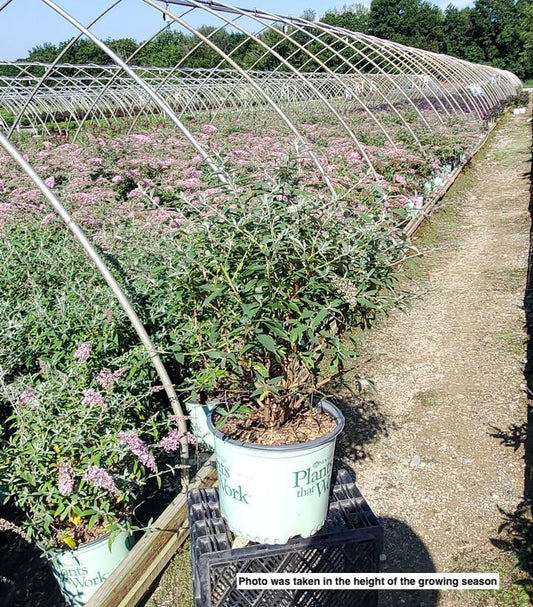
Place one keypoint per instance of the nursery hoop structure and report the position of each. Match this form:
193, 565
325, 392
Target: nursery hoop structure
339, 103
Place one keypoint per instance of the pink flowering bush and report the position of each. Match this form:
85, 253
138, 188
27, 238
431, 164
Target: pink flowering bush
80, 446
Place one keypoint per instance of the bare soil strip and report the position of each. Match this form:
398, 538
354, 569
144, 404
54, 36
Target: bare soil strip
433, 448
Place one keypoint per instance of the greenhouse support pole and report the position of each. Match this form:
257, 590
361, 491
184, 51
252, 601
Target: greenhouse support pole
80, 236
51, 67
215, 169
4, 4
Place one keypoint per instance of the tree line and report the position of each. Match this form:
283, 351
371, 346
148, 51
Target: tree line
494, 32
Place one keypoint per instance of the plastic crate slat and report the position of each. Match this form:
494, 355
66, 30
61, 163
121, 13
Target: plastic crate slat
343, 476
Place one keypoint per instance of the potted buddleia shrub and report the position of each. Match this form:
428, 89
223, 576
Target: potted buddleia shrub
265, 296
79, 447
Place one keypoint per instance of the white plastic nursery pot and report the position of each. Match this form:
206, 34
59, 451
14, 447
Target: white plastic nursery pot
438, 180
198, 413
269, 494
82, 571
428, 186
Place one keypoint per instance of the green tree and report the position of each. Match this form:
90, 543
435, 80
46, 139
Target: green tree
166, 50
496, 31
458, 31
413, 22
206, 57
525, 31
84, 51
44, 53
123, 47
353, 17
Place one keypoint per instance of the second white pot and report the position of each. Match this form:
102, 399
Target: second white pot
82, 571
198, 413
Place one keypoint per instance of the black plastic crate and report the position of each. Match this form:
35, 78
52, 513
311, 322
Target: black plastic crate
350, 541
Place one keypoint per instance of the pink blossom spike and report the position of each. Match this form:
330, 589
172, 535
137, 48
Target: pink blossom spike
92, 398
65, 478
138, 447
26, 397
171, 441
84, 351
101, 478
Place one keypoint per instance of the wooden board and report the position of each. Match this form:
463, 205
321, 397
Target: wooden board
432, 203
132, 579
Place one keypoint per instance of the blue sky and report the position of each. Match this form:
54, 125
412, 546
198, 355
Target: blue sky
25, 24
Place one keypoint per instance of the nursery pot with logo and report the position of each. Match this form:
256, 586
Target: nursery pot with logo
269, 494
81, 571
198, 413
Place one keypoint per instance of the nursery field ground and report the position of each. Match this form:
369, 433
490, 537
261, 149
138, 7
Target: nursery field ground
438, 449
440, 452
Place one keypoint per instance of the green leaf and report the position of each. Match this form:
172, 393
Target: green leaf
267, 342
213, 296
217, 354
277, 329
366, 302
261, 369
297, 333
319, 318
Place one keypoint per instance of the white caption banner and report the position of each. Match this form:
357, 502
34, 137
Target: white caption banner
364, 581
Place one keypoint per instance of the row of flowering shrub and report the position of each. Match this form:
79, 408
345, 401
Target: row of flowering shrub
143, 172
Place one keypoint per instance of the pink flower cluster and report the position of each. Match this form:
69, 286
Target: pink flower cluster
171, 441
65, 478
84, 351
26, 397
107, 378
138, 447
101, 478
92, 398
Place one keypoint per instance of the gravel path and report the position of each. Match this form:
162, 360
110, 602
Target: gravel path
432, 458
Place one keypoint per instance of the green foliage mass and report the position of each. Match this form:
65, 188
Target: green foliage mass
268, 292
45, 314
413, 22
